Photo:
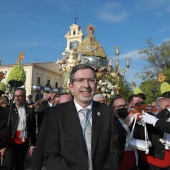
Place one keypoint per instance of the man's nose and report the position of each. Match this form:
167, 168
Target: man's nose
86, 83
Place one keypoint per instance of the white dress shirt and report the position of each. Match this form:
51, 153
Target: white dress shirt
22, 122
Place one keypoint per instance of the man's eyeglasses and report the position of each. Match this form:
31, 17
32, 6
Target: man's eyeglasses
120, 106
20, 96
82, 80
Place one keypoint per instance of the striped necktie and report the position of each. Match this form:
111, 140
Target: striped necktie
87, 133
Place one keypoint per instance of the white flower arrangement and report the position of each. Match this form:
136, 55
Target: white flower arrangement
106, 85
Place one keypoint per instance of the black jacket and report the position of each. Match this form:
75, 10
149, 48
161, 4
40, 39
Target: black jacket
156, 132
30, 123
64, 143
43, 109
122, 133
4, 137
29, 103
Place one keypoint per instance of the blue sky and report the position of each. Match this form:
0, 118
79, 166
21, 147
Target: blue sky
37, 27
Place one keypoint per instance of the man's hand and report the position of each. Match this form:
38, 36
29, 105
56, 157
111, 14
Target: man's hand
147, 118
2, 151
31, 150
129, 119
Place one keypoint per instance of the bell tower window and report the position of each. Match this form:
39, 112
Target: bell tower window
74, 32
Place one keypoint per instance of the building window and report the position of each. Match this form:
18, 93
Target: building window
48, 83
74, 32
56, 84
38, 81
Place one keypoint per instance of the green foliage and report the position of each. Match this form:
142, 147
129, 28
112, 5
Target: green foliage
125, 88
17, 74
165, 87
2, 87
167, 74
148, 88
157, 59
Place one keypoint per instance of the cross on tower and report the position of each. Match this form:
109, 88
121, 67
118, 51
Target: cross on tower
75, 19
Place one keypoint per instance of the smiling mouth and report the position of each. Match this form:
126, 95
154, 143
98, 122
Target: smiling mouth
86, 92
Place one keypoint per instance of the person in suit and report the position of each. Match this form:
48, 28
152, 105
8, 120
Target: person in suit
37, 159
134, 100
159, 134
65, 97
29, 102
4, 138
56, 99
22, 130
81, 134
128, 155
43, 108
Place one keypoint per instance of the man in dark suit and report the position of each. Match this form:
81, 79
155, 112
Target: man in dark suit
38, 155
159, 134
29, 102
4, 138
81, 134
22, 128
128, 158
43, 108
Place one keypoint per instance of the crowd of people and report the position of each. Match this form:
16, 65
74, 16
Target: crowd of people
79, 131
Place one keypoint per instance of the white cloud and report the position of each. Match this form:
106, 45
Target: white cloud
136, 65
112, 12
131, 54
161, 7
150, 4
166, 39
164, 29
131, 77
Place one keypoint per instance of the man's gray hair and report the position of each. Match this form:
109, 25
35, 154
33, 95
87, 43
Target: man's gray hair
96, 96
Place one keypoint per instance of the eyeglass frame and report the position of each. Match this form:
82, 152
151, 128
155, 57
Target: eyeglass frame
18, 96
82, 80
120, 106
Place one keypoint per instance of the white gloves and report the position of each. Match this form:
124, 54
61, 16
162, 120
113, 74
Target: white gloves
147, 118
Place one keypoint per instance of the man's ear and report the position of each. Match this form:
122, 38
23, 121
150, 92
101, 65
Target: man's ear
71, 87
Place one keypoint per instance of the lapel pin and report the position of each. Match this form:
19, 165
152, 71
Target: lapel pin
98, 113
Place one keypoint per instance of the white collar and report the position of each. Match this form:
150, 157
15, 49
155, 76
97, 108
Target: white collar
78, 107
20, 106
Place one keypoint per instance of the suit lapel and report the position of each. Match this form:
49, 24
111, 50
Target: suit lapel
76, 127
96, 118
75, 123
